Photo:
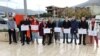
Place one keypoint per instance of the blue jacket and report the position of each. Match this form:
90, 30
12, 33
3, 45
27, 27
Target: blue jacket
74, 26
11, 24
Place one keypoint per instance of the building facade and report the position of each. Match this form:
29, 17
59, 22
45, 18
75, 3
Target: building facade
55, 11
68, 11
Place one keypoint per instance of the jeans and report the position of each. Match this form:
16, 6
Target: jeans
35, 36
65, 37
57, 36
74, 36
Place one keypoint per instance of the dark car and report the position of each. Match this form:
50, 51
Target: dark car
2, 21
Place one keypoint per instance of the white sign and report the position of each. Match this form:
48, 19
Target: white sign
67, 30
57, 29
34, 27
82, 31
24, 27
47, 30
92, 33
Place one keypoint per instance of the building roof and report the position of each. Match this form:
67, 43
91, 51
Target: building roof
52, 6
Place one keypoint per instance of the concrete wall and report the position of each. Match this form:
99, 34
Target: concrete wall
4, 37
3, 26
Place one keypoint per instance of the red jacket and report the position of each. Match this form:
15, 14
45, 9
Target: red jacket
35, 23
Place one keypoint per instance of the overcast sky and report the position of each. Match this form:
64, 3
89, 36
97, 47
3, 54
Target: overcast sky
40, 4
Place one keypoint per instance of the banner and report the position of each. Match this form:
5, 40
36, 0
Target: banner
18, 18
67, 31
24, 27
34, 27
92, 33
57, 29
47, 30
82, 31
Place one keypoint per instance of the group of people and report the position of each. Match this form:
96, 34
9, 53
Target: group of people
72, 23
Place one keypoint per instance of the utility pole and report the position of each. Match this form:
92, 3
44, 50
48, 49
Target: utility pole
25, 9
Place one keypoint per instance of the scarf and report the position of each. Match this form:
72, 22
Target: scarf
93, 24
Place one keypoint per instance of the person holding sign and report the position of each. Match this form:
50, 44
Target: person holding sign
29, 33
66, 25
35, 29
93, 30
74, 29
57, 29
24, 37
49, 35
41, 30
83, 25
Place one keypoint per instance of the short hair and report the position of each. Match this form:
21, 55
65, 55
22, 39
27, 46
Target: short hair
92, 16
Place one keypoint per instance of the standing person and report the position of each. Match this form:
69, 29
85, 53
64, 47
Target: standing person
93, 27
66, 25
24, 37
30, 19
41, 32
11, 30
83, 25
56, 23
49, 35
35, 32
74, 29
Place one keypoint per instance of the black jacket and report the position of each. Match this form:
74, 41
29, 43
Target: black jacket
25, 22
49, 25
66, 24
83, 24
